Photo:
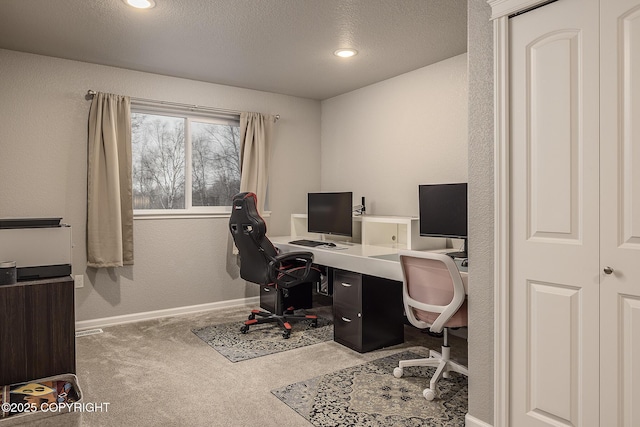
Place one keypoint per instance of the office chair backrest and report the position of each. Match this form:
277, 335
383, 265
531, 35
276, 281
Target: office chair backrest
249, 234
433, 290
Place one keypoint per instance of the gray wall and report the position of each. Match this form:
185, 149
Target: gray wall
383, 140
480, 51
178, 262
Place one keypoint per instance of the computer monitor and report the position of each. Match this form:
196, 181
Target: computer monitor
330, 213
443, 212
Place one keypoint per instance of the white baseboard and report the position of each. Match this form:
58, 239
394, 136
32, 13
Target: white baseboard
136, 317
470, 421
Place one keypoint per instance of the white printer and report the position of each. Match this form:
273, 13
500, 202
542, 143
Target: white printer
41, 247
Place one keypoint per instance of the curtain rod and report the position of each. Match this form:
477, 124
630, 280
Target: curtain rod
91, 94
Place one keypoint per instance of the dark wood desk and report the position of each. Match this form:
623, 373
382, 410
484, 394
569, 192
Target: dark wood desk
368, 310
37, 330
367, 293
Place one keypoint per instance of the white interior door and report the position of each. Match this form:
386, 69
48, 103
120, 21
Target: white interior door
554, 215
620, 213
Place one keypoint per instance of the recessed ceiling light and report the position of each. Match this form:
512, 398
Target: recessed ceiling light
345, 53
141, 4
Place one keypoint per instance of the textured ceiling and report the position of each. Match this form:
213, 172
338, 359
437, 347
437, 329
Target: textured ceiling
281, 46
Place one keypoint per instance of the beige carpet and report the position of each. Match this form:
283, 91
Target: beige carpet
158, 373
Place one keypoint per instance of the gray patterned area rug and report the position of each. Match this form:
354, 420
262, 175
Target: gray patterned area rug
369, 395
262, 339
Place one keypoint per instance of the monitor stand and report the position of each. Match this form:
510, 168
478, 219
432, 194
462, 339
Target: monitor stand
461, 254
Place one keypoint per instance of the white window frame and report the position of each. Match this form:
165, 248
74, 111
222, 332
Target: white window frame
189, 114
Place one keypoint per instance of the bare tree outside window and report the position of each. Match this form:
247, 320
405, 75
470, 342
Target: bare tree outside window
215, 164
159, 157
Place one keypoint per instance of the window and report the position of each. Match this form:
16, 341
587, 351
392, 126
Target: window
183, 163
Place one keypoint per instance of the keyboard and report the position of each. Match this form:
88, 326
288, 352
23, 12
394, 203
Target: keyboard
310, 243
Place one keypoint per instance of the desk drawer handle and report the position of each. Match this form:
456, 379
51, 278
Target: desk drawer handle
346, 285
346, 320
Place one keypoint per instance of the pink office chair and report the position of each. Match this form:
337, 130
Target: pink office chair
435, 298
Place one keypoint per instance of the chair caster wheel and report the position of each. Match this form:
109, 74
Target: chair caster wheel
445, 374
244, 329
314, 323
286, 335
397, 372
252, 316
429, 394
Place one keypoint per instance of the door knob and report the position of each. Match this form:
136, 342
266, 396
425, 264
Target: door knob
608, 270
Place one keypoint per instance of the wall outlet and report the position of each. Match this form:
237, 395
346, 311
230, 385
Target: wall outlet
78, 281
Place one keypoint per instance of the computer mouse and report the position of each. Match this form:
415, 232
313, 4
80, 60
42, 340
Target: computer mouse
331, 245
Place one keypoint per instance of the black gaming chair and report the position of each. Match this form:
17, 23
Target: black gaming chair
261, 263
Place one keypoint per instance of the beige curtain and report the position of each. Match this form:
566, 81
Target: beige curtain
109, 200
255, 135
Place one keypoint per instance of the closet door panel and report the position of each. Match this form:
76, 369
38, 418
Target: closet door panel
629, 140
554, 321
554, 241
553, 131
620, 213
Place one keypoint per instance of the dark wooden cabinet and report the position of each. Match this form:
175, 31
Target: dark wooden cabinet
367, 311
298, 297
37, 330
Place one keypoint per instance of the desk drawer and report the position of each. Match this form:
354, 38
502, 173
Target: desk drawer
347, 289
347, 278
347, 328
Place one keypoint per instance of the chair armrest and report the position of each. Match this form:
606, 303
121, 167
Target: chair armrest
285, 277
288, 256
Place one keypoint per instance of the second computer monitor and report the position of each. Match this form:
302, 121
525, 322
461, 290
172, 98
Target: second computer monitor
330, 213
443, 212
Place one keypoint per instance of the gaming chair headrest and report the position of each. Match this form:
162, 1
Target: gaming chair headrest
244, 211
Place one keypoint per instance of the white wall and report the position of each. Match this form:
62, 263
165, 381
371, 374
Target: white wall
178, 262
385, 139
